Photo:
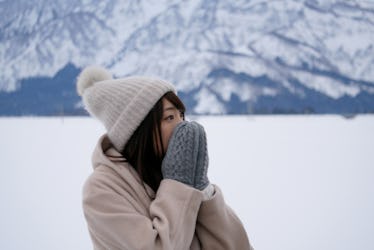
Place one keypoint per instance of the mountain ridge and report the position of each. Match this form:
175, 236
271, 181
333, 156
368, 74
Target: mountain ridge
308, 50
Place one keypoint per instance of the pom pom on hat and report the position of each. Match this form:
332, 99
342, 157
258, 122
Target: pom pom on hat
89, 76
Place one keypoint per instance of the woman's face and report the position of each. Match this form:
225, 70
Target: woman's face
171, 117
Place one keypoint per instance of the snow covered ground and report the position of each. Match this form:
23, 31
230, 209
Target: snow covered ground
297, 182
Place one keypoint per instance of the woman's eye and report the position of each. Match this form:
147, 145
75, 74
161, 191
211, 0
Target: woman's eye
170, 117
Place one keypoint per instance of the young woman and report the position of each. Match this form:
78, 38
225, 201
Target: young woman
149, 188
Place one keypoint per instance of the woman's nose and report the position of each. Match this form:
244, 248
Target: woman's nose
180, 119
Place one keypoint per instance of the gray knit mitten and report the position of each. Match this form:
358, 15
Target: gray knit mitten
186, 159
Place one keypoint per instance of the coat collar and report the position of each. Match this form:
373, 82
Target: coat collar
105, 154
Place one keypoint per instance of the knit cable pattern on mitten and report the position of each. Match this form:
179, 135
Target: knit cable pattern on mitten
186, 158
201, 177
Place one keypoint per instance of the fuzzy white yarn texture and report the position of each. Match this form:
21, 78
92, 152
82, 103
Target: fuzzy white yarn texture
120, 104
89, 76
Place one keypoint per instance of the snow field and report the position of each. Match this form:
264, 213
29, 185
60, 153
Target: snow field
296, 182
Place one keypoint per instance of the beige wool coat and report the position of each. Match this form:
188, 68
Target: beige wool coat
121, 215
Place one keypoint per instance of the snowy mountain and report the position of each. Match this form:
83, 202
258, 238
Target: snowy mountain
224, 56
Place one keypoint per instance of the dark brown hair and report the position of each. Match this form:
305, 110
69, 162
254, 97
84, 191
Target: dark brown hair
141, 150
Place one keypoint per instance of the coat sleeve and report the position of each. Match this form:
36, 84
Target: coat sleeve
115, 224
218, 227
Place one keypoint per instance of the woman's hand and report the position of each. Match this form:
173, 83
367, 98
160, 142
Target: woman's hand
186, 159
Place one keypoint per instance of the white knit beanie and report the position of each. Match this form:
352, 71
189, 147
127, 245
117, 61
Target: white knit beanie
120, 104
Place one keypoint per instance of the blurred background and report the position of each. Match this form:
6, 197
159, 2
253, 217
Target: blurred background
284, 89
225, 57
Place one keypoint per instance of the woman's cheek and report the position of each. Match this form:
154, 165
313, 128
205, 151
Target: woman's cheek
165, 137
167, 131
